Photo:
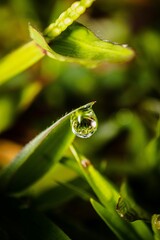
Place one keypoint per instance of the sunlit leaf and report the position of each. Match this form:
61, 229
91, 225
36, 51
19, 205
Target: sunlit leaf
108, 197
79, 44
59, 173
19, 60
122, 230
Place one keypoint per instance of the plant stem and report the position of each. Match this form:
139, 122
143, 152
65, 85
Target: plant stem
19, 60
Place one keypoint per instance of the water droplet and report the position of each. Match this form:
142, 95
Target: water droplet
84, 121
125, 211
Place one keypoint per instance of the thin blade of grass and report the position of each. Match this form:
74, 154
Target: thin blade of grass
121, 230
19, 60
60, 194
38, 157
108, 197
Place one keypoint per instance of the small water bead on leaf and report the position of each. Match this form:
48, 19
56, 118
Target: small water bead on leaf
84, 122
126, 212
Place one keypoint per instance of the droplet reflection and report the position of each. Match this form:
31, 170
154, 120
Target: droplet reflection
84, 122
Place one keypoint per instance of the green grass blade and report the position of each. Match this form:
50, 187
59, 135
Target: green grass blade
121, 230
79, 43
19, 60
59, 173
128, 208
39, 156
105, 191
108, 196
60, 194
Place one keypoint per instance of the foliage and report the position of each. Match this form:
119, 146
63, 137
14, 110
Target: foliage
50, 184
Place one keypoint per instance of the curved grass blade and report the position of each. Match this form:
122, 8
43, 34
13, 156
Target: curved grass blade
59, 173
30, 53
108, 197
78, 44
127, 208
121, 230
60, 194
39, 156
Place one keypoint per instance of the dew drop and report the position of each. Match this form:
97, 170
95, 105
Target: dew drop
84, 122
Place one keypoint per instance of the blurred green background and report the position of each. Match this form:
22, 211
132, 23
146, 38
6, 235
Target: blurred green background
127, 95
